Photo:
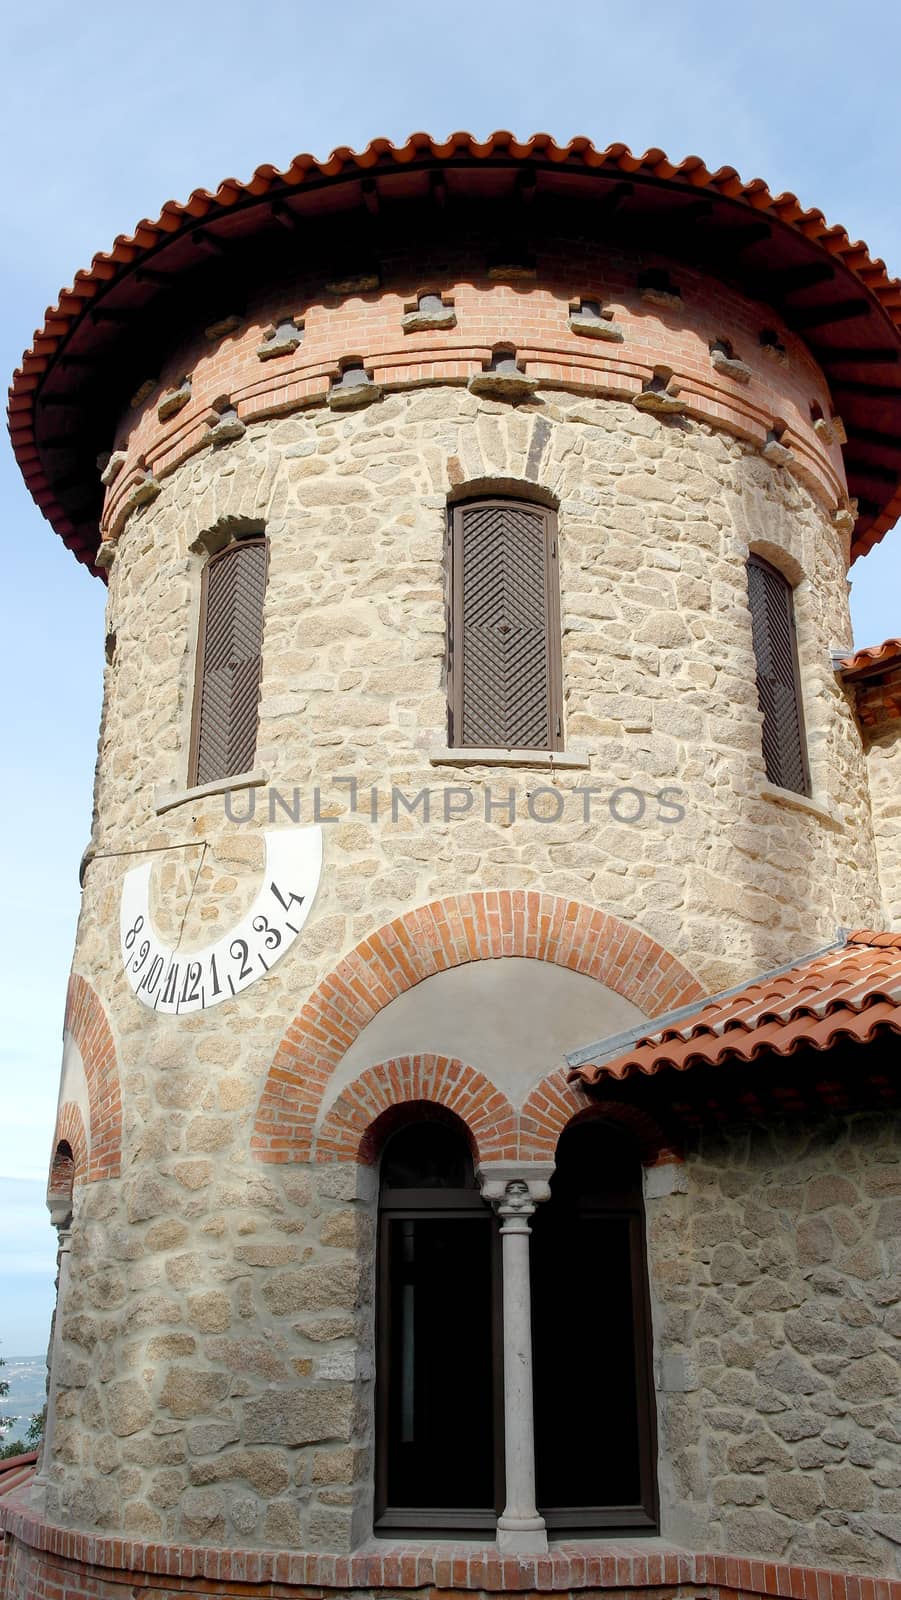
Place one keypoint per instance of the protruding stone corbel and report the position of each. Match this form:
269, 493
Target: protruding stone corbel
353, 386
657, 288
724, 360
224, 424
775, 451
174, 400
594, 321
838, 428
106, 554
430, 310
362, 281
824, 430
772, 345
843, 520
222, 328
281, 338
660, 395
143, 393
142, 491
112, 466
503, 378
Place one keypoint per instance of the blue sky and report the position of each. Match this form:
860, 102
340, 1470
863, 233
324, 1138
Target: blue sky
110, 110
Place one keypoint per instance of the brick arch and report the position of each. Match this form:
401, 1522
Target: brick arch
555, 1103
67, 1170
346, 1133
449, 933
87, 1022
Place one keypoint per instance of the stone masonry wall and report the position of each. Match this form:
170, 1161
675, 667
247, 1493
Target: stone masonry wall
878, 701
777, 1274
215, 1382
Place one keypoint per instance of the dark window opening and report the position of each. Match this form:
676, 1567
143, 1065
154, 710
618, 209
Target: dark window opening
504, 667
778, 676
439, 1436
594, 1412
229, 663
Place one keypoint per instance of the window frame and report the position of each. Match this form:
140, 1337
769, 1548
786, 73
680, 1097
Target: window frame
787, 589
627, 1206
229, 550
454, 622
466, 1204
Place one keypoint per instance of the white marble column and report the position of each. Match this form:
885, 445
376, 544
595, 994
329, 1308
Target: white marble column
514, 1191
61, 1218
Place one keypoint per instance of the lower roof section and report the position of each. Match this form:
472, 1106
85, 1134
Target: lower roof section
848, 993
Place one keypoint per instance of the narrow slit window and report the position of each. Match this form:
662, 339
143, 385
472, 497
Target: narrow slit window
778, 676
504, 669
229, 663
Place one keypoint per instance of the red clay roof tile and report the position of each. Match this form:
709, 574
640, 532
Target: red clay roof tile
873, 655
460, 150
849, 992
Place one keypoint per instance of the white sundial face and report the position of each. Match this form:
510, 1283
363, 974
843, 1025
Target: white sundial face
177, 982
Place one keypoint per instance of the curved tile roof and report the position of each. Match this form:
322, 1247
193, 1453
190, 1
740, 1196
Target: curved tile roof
851, 992
814, 273
870, 656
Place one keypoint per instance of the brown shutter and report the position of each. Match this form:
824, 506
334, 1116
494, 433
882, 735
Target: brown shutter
778, 678
229, 663
504, 628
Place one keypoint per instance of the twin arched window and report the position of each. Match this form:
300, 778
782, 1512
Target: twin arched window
439, 1393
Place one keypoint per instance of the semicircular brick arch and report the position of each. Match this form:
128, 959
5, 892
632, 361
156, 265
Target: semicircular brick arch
448, 933
87, 1022
66, 1172
346, 1130
555, 1103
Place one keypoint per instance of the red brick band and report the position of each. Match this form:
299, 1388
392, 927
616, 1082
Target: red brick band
551, 350
87, 1022
65, 1170
48, 1563
449, 933
350, 1130
554, 1103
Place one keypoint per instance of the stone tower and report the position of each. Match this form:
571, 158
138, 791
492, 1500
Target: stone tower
477, 1126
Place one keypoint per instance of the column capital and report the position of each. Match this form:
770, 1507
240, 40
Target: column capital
515, 1188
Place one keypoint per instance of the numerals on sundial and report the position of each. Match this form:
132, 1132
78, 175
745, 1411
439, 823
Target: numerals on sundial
179, 982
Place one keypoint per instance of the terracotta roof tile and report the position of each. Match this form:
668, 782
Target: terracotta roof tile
461, 151
873, 655
848, 992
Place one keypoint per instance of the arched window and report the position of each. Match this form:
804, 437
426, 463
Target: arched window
594, 1409
438, 1388
504, 667
229, 662
778, 676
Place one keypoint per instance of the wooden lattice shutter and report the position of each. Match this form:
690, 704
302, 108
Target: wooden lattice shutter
230, 659
504, 629
778, 679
